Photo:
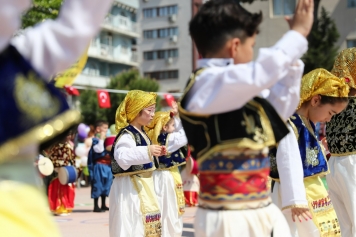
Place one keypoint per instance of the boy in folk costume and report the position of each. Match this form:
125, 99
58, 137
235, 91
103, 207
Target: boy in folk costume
299, 161
341, 140
33, 111
166, 130
134, 209
99, 166
229, 130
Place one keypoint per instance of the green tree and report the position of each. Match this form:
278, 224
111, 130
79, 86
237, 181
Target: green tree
128, 80
322, 38
40, 11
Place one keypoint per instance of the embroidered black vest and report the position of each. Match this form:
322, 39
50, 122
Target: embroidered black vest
341, 131
174, 159
134, 169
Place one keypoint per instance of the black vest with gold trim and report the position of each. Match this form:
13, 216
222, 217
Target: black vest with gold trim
134, 169
341, 131
171, 160
231, 150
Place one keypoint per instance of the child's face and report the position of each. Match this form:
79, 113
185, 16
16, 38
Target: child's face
146, 115
104, 128
243, 51
170, 126
324, 112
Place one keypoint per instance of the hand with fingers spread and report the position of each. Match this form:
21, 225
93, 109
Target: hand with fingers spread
302, 21
301, 212
155, 150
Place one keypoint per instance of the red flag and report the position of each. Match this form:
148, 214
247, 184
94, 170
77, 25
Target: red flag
103, 99
71, 90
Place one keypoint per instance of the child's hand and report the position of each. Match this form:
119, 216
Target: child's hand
102, 135
174, 108
155, 150
163, 151
302, 21
301, 211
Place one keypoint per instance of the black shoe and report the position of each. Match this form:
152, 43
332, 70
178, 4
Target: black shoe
105, 208
98, 210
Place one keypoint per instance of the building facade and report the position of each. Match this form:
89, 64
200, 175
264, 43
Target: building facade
114, 49
274, 24
165, 48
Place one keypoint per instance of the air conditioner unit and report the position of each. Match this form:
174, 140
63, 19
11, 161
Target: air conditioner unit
174, 38
173, 18
169, 60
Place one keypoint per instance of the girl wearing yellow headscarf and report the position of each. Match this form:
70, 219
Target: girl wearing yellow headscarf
134, 210
340, 134
299, 160
166, 129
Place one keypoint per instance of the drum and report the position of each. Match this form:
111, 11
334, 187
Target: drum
45, 166
67, 174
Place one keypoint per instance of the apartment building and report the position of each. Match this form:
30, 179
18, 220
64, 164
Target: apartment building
114, 49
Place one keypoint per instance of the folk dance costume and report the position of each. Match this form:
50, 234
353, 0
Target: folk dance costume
340, 135
167, 179
300, 157
230, 130
134, 209
191, 183
99, 165
61, 197
33, 112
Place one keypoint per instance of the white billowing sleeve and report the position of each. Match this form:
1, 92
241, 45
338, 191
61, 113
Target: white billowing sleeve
10, 17
53, 46
223, 89
99, 148
127, 153
290, 169
176, 139
285, 94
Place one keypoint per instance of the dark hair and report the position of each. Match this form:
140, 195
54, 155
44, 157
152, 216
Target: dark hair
99, 123
332, 100
217, 21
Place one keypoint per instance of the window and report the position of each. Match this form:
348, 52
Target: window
160, 11
351, 3
351, 43
160, 33
160, 75
283, 7
160, 54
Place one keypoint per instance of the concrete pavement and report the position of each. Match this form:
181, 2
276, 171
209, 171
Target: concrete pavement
83, 222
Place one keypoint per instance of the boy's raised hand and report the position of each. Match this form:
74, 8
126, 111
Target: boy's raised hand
174, 108
302, 21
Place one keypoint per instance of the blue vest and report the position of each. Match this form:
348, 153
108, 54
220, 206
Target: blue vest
93, 156
176, 158
134, 169
29, 106
313, 158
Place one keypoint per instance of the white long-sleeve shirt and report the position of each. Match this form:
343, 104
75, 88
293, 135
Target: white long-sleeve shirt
99, 148
177, 139
290, 169
224, 86
53, 45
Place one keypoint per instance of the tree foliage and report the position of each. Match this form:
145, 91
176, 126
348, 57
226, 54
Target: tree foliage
129, 80
322, 39
40, 11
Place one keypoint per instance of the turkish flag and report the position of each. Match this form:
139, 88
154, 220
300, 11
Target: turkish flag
103, 99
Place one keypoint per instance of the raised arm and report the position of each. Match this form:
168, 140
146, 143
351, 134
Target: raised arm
222, 89
176, 139
54, 46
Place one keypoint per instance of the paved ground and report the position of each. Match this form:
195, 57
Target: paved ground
85, 223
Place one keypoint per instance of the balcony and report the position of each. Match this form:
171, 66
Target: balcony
95, 81
112, 54
121, 25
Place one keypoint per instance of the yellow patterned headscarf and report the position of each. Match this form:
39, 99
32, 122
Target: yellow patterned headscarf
155, 127
345, 66
130, 107
322, 82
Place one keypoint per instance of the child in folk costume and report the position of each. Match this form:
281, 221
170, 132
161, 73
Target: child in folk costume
341, 140
33, 111
229, 129
61, 196
191, 183
166, 130
99, 166
299, 162
134, 209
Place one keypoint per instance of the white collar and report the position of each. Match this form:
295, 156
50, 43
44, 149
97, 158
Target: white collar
215, 62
